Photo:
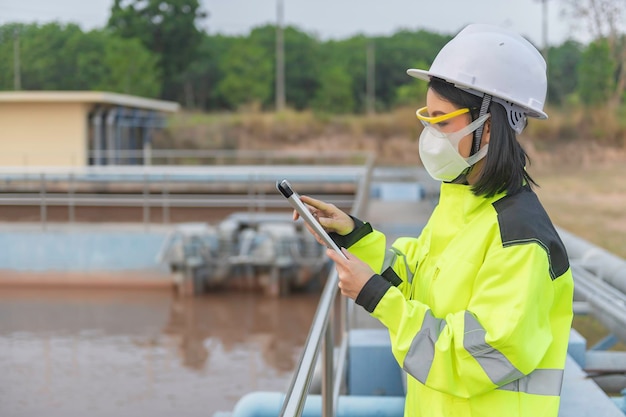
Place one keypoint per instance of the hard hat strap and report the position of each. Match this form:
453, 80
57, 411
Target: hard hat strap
478, 133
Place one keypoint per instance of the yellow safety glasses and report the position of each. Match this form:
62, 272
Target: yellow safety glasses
422, 115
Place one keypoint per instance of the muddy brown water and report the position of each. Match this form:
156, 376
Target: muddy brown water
97, 352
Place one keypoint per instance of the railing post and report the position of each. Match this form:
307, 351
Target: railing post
165, 194
147, 154
251, 197
327, 371
43, 214
70, 206
146, 206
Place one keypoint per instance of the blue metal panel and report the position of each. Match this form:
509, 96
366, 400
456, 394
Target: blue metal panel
268, 404
87, 250
577, 347
606, 343
372, 369
581, 397
400, 191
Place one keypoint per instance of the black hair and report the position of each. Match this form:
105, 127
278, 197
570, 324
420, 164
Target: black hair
505, 164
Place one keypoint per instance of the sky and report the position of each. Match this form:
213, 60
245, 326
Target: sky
329, 19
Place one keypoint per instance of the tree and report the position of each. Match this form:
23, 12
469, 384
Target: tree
131, 69
247, 74
335, 92
393, 55
605, 20
595, 74
302, 66
301, 62
412, 93
58, 57
165, 27
396, 54
345, 62
7, 55
563, 78
48, 56
205, 72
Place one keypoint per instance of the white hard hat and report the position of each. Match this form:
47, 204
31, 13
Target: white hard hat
489, 59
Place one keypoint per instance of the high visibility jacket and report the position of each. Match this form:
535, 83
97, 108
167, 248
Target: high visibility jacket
478, 307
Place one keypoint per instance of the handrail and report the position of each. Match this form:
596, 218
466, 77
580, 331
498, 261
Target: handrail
169, 187
321, 337
138, 157
297, 392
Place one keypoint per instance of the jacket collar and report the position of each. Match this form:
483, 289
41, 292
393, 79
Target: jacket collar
459, 201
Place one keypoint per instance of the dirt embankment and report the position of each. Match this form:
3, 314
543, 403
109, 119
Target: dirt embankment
582, 187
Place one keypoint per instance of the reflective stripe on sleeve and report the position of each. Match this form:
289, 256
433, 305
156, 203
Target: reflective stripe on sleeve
497, 367
390, 259
538, 382
419, 358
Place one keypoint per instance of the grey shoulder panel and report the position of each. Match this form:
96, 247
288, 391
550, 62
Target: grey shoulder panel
523, 220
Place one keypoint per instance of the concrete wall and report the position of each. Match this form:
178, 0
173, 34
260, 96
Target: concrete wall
43, 134
81, 250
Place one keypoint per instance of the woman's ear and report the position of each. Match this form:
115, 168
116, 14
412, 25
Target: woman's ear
486, 132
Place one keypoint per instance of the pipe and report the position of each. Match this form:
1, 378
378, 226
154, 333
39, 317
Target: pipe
605, 265
268, 404
110, 136
607, 305
97, 122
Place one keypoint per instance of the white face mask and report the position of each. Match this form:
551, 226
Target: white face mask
440, 151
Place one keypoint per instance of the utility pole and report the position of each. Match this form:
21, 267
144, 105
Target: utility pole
17, 79
370, 87
280, 58
544, 29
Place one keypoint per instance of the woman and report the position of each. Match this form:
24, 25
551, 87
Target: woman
479, 306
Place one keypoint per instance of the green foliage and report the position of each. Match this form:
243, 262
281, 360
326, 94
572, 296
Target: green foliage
131, 68
62, 57
301, 63
247, 74
6, 55
334, 94
165, 27
395, 54
48, 56
595, 73
562, 75
154, 48
205, 73
414, 92
302, 67
347, 56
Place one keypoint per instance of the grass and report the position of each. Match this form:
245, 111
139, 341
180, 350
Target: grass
586, 197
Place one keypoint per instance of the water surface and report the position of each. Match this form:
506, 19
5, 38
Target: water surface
66, 353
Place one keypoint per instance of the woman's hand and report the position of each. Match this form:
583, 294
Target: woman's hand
353, 273
328, 215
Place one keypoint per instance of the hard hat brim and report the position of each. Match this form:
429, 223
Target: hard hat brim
426, 76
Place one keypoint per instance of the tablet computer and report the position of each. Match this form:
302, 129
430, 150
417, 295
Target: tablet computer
294, 200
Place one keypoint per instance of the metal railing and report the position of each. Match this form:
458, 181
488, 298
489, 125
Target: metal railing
237, 183
325, 324
182, 157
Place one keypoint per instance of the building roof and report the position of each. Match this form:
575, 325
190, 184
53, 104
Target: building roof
95, 97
